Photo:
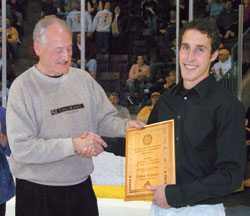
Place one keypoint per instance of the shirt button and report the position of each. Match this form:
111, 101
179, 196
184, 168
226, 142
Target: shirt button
177, 138
185, 98
178, 117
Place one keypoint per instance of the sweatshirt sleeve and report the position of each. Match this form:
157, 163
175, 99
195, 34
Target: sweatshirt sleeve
23, 133
109, 124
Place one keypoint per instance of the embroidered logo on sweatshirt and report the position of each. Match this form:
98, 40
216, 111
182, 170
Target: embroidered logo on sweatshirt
66, 108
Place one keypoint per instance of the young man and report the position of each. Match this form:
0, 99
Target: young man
54, 113
209, 126
149, 12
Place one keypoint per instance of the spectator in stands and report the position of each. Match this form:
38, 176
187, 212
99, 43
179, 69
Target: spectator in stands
212, 19
144, 113
59, 5
102, 26
150, 10
223, 65
183, 9
170, 79
138, 75
12, 37
214, 8
8, 12
7, 187
74, 21
90, 56
17, 6
122, 111
120, 28
93, 7
227, 21
246, 14
169, 30
16, 18
48, 8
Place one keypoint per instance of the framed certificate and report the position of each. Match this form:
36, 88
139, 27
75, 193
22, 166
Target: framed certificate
150, 159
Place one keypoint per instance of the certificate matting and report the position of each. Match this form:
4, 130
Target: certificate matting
150, 159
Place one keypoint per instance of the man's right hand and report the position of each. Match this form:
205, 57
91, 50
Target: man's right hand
88, 144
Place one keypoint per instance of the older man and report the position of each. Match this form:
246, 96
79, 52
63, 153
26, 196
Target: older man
54, 115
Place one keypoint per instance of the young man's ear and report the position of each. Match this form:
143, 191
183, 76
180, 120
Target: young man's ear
214, 55
36, 45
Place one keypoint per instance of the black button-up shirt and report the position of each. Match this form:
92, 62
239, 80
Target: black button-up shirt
209, 142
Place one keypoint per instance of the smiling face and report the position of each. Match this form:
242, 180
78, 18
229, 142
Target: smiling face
195, 57
55, 52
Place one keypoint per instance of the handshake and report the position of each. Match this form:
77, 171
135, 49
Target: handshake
88, 145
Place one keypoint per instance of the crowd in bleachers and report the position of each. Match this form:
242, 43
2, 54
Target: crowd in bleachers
129, 45
16, 15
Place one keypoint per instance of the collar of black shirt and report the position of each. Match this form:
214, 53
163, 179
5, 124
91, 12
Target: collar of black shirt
201, 88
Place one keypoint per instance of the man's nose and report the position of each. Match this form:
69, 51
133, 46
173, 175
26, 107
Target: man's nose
191, 55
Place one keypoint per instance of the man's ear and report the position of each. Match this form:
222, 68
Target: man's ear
36, 45
214, 56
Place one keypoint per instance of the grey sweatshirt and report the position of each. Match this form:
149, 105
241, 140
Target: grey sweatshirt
102, 21
44, 113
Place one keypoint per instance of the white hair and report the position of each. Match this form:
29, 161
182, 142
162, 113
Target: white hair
42, 26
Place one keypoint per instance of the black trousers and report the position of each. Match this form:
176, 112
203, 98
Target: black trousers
2, 209
41, 200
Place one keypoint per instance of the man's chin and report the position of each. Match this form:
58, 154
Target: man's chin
63, 71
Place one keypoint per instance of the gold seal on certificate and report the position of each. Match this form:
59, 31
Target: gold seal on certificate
150, 159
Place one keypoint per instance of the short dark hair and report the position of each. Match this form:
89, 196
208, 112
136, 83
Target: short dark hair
205, 27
